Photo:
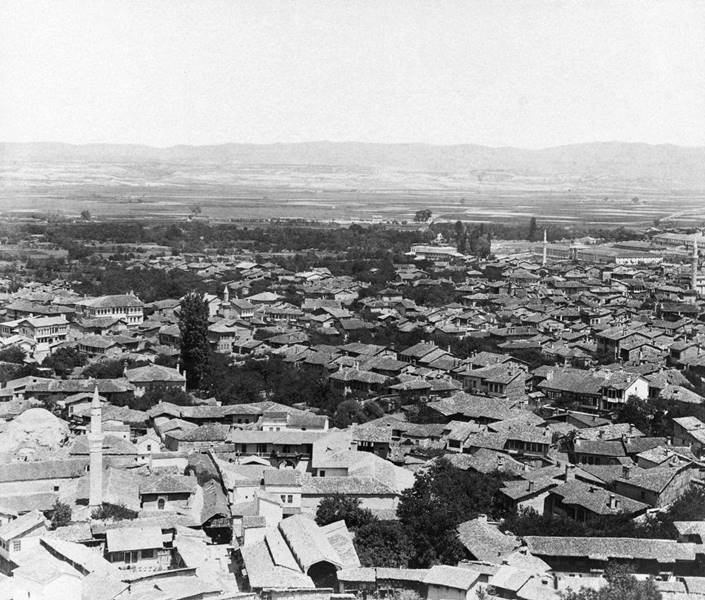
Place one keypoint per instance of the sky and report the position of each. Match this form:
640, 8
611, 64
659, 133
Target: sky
519, 73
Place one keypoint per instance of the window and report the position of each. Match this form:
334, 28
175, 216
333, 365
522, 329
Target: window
16, 545
321, 473
56, 488
149, 553
161, 503
283, 498
289, 498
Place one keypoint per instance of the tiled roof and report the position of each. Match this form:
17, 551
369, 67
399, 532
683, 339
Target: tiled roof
125, 300
601, 548
354, 486
596, 499
45, 469
453, 577
134, 538
308, 542
484, 540
167, 484
152, 373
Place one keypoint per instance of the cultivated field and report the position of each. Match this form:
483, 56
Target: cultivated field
224, 190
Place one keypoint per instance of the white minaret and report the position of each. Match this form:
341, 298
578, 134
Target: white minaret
95, 445
694, 274
545, 248
226, 294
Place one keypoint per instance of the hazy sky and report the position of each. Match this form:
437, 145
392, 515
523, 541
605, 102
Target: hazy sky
523, 73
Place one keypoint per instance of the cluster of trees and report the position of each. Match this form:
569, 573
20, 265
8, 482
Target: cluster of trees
655, 416
444, 496
530, 231
441, 498
255, 380
64, 360
428, 516
12, 365
423, 215
689, 507
113, 512
474, 240
147, 283
60, 513
621, 585
378, 543
196, 236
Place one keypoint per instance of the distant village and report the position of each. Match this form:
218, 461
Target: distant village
512, 425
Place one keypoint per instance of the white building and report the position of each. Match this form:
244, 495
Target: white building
124, 306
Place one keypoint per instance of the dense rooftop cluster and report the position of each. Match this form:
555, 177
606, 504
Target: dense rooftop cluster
447, 426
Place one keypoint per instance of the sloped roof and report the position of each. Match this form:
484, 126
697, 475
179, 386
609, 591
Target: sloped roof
596, 499
167, 484
45, 469
262, 572
112, 445
134, 538
151, 373
341, 539
117, 300
82, 557
119, 487
308, 543
601, 548
475, 407
21, 524
485, 541
453, 577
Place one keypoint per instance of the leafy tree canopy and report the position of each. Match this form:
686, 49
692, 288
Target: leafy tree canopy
621, 585
440, 499
195, 348
383, 544
339, 507
60, 514
12, 354
64, 360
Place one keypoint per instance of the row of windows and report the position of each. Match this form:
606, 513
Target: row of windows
16, 545
116, 310
130, 556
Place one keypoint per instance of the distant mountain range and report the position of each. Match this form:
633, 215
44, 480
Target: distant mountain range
661, 165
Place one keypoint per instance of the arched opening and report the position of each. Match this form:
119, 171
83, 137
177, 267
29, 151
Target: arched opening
161, 504
323, 575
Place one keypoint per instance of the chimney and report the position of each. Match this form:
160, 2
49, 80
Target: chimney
531, 486
626, 472
569, 473
500, 463
612, 502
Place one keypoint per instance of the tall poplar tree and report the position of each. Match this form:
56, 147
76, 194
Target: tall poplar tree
195, 349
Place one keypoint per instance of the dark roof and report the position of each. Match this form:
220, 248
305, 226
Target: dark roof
597, 548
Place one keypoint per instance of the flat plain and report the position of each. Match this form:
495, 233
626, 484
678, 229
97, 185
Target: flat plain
170, 186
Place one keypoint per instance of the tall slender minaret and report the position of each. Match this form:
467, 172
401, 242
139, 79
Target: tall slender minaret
545, 248
95, 445
226, 294
694, 274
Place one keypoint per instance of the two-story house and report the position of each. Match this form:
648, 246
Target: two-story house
123, 306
